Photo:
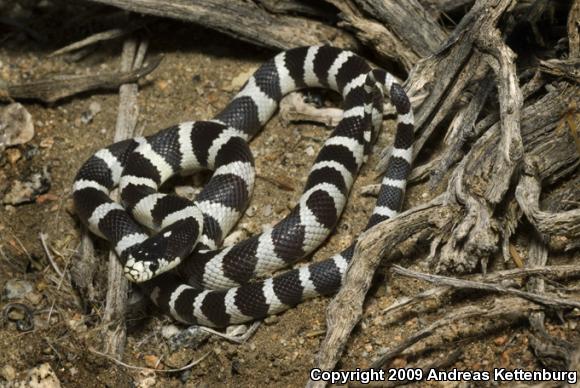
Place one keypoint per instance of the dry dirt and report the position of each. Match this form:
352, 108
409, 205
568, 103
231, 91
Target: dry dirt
194, 81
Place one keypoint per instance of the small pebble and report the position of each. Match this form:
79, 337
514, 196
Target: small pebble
239, 80
309, 151
267, 211
34, 297
47, 142
251, 211
234, 238
88, 115
161, 84
169, 331
42, 376
26, 191
16, 125
152, 361
16, 289
500, 341
186, 191
399, 362
8, 372
271, 320
13, 155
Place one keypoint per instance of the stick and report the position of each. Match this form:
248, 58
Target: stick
95, 38
345, 310
557, 272
509, 307
548, 301
117, 287
121, 363
565, 224
243, 20
53, 90
42, 238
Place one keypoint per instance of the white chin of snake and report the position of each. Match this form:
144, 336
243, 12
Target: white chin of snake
139, 271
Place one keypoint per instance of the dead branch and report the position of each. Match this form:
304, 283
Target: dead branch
573, 30
482, 179
345, 310
445, 5
512, 309
439, 72
84, 268
569, 68
55, 89
564, 225
95, 38
548, 301
129, 366
440, 292
396, 31
409, 21
295, 7
242, 20
476, 234
551, 351
114, 328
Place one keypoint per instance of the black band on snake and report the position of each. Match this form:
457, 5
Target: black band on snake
216, 287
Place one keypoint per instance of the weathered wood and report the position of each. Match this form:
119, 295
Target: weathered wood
396, 31
446, 5
440, 295
502, 60
552, 150
297, 7
66, 86
114, 328
409, 21
564, 225
545, 300
476, 237
84, 267
511, 308
574, 30
243, 20
93, 39
460, 131
438, 73
569, 68
482, 180
345, 310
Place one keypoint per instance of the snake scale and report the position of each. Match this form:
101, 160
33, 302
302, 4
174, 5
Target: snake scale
171, 246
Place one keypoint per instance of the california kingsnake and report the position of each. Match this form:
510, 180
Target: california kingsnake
218, 290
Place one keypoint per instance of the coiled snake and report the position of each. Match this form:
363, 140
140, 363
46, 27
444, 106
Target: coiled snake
213, 286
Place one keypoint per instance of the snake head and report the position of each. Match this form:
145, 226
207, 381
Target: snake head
148, 260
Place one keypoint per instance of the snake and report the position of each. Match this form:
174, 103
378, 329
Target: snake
172, 246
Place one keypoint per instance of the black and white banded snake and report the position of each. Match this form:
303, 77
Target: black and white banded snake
214, 286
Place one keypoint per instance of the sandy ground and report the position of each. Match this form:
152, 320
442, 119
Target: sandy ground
194, 81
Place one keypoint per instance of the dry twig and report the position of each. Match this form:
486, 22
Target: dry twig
548, 301
507, 308
117, 287
113, 33
124, 364
66, 86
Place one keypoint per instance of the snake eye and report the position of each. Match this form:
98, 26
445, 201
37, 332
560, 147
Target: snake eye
153, 267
